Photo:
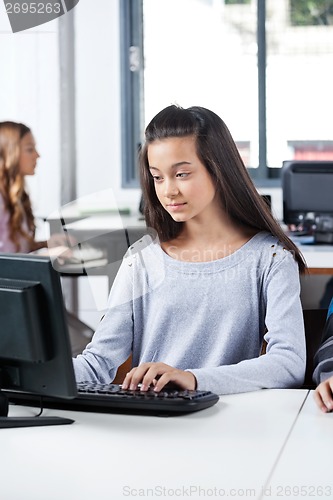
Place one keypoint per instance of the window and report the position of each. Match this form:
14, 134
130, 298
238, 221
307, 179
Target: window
263, 65
310, 13
299, 78
229, 2
311, 150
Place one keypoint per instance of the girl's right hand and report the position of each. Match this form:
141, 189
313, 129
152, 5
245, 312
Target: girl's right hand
158, 375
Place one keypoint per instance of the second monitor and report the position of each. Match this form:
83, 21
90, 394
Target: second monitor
307, 196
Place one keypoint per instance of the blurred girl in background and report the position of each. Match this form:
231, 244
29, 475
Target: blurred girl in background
18, 158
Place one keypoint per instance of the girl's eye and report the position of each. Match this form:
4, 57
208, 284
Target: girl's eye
157, 178
182, 174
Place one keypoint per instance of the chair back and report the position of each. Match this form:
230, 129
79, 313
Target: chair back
314, 322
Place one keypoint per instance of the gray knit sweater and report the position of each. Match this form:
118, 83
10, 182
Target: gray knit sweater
206, 317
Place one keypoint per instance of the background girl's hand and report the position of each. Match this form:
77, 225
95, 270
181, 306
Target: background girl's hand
60, 240
324, 395
158, 375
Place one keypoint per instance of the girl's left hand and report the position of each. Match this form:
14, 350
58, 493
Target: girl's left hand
158, 375
324, 395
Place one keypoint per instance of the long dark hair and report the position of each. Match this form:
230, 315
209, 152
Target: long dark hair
12, 185
217, 150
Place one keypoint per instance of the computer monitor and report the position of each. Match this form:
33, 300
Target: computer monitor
307, 192
35, 351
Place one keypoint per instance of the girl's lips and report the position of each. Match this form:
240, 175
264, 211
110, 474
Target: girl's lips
175, 206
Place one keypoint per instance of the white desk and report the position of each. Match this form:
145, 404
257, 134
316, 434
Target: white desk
231, 448
319, 258
305, 465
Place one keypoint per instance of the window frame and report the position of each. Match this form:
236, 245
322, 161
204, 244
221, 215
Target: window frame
132, 95
132, 107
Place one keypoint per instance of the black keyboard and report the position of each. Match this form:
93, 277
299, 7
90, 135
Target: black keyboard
112, 398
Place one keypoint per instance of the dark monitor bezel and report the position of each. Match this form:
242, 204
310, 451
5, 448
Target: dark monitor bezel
307, 187
54, 376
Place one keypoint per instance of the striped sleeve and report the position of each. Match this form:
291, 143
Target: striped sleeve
323, 360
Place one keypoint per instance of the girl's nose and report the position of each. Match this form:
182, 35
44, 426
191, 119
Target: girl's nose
171, 189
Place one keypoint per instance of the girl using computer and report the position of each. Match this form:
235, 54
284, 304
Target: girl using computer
215, 282
18, 158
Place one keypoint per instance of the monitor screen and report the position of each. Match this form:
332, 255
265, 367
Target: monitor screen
35, 351
307, 190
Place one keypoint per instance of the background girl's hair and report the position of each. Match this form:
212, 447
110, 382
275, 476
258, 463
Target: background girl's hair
217, 150
12, 186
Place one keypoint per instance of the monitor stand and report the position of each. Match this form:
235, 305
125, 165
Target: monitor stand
9, 422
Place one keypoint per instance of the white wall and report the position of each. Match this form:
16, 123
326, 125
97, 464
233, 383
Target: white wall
29, 92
